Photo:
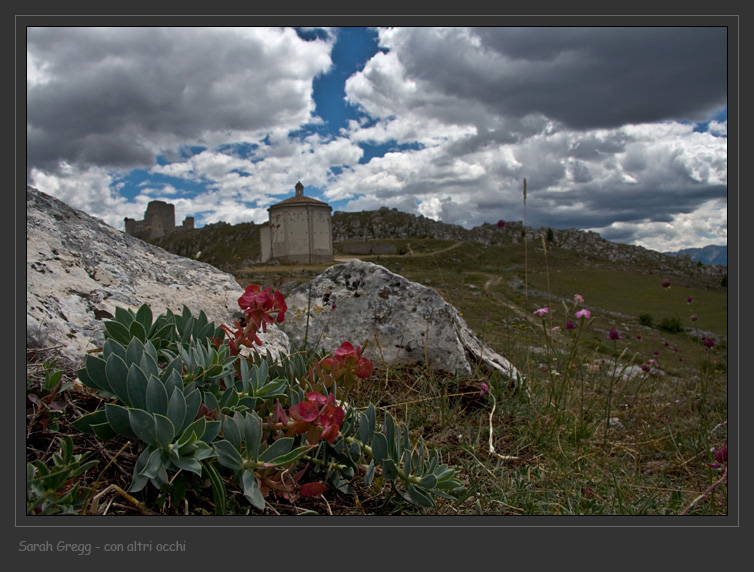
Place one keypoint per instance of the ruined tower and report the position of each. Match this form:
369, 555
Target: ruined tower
159, 220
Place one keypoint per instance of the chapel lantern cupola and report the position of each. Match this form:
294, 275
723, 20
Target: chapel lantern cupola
299, 189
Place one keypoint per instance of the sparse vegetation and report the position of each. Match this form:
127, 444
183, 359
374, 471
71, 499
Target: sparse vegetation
614, 415
671, 324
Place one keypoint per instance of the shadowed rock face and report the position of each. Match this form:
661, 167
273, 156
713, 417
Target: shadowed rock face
78, 269
405, 322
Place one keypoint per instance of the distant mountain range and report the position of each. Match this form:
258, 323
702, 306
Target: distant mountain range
712, 254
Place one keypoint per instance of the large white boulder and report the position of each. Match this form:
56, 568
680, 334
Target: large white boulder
404, 322
78, 269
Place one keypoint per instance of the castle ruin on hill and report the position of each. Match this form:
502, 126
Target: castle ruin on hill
159, 220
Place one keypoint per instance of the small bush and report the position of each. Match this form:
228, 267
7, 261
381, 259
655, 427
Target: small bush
646, 319
671, 324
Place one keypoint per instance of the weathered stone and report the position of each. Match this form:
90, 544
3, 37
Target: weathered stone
404, 322
78, 269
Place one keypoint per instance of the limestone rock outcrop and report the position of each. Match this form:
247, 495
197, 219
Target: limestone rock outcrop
405, 322
78, 269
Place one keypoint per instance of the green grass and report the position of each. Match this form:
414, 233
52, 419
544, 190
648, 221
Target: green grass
654, 462
551, 453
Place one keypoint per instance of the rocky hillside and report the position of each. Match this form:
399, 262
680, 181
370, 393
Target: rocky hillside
391, 224
224, 246
230, 247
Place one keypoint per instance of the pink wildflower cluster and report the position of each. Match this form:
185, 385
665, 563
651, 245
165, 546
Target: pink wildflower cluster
263, 306
260, 307
318, 417
347, 361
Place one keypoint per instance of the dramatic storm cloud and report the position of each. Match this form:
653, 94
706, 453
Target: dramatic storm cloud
618, 130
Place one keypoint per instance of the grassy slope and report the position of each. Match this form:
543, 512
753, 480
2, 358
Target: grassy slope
562, 461
552, 454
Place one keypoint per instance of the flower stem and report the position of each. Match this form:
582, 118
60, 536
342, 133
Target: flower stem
711, 488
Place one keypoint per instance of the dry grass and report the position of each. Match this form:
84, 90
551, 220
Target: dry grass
551, 454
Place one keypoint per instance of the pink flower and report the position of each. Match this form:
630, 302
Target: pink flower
484, 388
542, 311
666, 283
638, 336
304, 412
694, 317
262, 307
312, 489
570, 326
318, 417
721, 456
578, 298
689, 300
584, 313
350, 359
708, 342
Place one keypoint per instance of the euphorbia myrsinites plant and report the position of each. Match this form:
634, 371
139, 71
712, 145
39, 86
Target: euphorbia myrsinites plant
271, 426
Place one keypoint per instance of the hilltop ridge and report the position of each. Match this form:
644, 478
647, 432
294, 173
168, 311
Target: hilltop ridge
230, 247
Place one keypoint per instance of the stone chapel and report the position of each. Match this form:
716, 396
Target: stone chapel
299, 230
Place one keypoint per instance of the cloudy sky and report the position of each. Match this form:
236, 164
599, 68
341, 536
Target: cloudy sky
620, 130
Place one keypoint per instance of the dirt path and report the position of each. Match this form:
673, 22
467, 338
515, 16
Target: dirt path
410, 252
494, 281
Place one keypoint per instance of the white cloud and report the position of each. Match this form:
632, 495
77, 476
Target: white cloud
599, 122
706, 225
117, 96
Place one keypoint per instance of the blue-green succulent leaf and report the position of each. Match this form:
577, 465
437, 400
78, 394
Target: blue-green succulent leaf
164, 430
278, 448
227, 455
251, 489
137, 387
142, 424
119, 420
